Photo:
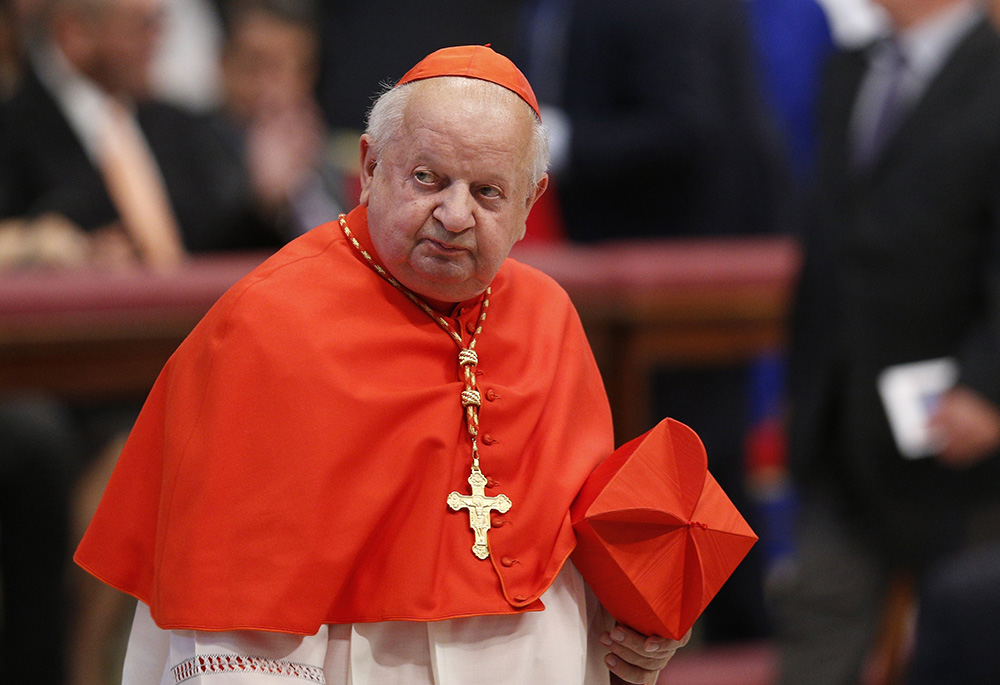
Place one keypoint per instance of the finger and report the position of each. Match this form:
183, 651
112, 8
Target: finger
677, 644
630, 673
641, 659
647, 645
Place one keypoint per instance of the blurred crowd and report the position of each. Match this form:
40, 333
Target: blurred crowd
136, 132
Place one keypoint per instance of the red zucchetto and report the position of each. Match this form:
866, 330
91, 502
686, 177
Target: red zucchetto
474, 61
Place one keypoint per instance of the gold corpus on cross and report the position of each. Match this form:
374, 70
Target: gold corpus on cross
478, 503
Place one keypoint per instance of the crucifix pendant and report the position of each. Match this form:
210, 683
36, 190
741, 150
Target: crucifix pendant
479, 505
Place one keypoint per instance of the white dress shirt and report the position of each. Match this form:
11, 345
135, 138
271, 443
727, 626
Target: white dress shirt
925, 47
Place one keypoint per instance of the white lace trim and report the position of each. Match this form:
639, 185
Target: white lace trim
238, 663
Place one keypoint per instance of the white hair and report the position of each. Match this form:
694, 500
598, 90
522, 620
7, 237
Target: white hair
385, 121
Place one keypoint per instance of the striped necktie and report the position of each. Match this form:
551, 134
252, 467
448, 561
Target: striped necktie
890, 106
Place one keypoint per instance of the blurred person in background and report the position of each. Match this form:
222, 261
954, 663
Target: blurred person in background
902, 255
270, 68
957, 631
10, 50
39, 453
94, 173
80, 125
185, 68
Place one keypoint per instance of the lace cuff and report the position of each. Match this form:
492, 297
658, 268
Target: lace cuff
209, 664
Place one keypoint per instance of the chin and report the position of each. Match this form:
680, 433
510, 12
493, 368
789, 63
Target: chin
439, 286
446, 295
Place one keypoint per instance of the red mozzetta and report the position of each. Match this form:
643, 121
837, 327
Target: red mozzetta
292, 464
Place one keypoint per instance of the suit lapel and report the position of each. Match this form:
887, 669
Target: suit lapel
947, 85
843, 83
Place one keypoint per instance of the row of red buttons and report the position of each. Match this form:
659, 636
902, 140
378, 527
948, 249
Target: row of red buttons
493, 396
508, 562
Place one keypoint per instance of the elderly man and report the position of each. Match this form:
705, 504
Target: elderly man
304, 493
93, 173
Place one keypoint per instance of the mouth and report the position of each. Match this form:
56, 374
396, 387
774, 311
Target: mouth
444, 247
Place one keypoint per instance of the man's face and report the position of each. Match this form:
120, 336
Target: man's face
121, 40
269, 66
906, 13
449, 198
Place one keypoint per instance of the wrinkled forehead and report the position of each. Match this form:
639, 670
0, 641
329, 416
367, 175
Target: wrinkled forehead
472, 113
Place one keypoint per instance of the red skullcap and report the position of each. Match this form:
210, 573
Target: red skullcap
474, 61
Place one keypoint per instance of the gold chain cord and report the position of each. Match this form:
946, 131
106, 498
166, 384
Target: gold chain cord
467, 357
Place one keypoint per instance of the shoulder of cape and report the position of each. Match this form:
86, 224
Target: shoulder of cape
529, 280
304, 273
301, 266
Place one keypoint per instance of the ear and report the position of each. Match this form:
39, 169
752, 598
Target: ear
530, 202
368, 164
539, 189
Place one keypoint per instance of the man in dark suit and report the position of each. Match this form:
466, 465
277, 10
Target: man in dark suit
958, 635
93, 54
902, 259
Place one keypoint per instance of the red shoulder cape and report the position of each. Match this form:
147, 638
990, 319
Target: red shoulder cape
292, 463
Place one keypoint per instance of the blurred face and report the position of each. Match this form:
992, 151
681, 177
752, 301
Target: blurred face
449, 198
111, 42
269, 65
906, 13
127, 39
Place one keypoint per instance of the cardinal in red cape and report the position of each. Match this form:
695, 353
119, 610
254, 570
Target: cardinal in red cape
358, 468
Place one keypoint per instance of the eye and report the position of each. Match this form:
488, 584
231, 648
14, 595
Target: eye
425, 177
490, 192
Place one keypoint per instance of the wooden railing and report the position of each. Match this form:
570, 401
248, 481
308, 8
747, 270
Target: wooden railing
98, 335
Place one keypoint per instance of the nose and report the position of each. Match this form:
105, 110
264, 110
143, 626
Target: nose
456, 209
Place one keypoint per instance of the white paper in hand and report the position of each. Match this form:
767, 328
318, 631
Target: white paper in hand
910, 393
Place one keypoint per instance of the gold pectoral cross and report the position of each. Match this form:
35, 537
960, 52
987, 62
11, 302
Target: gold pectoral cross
479, 505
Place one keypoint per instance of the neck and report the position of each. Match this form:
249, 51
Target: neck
448, 308
439, 305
